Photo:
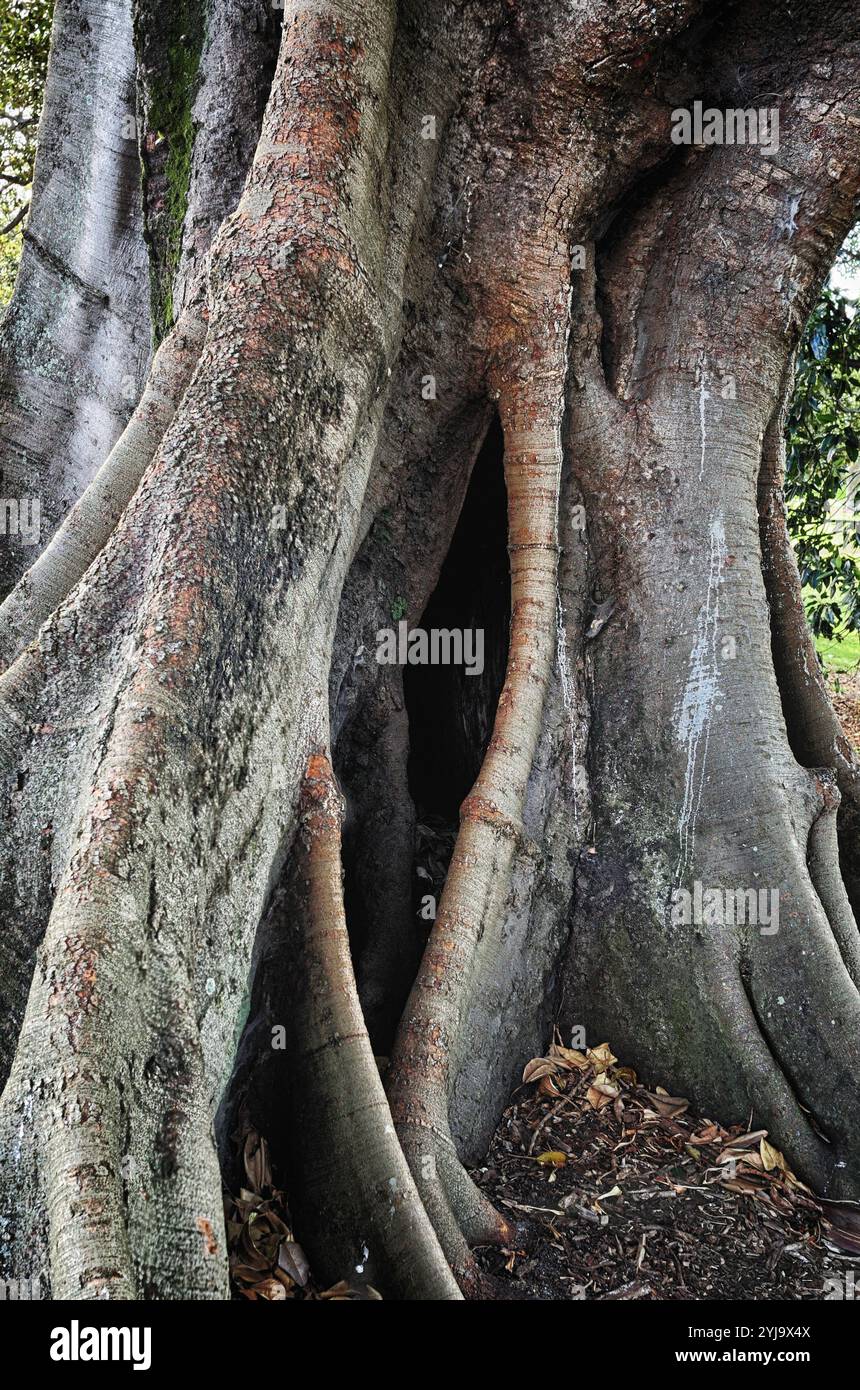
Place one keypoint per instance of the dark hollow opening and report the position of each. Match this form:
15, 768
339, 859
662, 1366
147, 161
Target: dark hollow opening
450, 711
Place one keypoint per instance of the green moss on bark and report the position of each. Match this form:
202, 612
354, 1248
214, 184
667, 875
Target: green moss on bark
169, 49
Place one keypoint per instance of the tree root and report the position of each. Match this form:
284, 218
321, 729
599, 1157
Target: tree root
814, 731
357, 1193
471, 910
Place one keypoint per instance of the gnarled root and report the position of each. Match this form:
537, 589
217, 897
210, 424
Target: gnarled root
357, 1194
814, 730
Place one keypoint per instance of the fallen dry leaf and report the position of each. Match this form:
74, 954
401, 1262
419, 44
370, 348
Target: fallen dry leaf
291, 1259
538, 1067
666, 1105
256, 1159
842, 1224
771, 1157
568, 1057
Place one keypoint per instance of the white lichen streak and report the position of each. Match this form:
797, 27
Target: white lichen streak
704, 395
694, 709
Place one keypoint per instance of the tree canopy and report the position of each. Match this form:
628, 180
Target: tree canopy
823, 443
26, 29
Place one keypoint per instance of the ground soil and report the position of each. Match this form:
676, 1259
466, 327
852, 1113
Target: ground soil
624, 1194
845, 694
616, 1192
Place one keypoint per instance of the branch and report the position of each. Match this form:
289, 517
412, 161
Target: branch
19, 216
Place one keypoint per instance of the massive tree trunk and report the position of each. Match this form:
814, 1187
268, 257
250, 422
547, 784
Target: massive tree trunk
446, 325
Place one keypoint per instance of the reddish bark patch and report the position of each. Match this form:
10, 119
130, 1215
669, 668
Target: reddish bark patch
210, 1244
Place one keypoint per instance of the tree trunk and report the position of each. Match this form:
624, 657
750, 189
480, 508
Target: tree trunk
75, 341
427, 258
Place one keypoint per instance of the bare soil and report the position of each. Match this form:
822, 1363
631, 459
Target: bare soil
845, 695
616, 1192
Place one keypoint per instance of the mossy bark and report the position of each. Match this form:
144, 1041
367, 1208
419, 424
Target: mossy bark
168, 45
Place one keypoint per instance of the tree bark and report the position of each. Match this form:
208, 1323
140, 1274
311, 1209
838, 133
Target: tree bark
413, 231
75, 342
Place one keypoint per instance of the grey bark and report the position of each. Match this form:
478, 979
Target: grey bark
75, 341
87, 527
708, 787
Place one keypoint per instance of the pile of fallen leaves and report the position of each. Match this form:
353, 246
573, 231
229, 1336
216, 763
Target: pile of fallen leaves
266, 1262
627, 1195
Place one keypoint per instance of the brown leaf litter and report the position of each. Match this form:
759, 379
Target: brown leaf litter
266, 1262
624, 1194
844, 691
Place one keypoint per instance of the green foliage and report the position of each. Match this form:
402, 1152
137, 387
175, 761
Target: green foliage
25, 31
822, 471
839, 654
171, 45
